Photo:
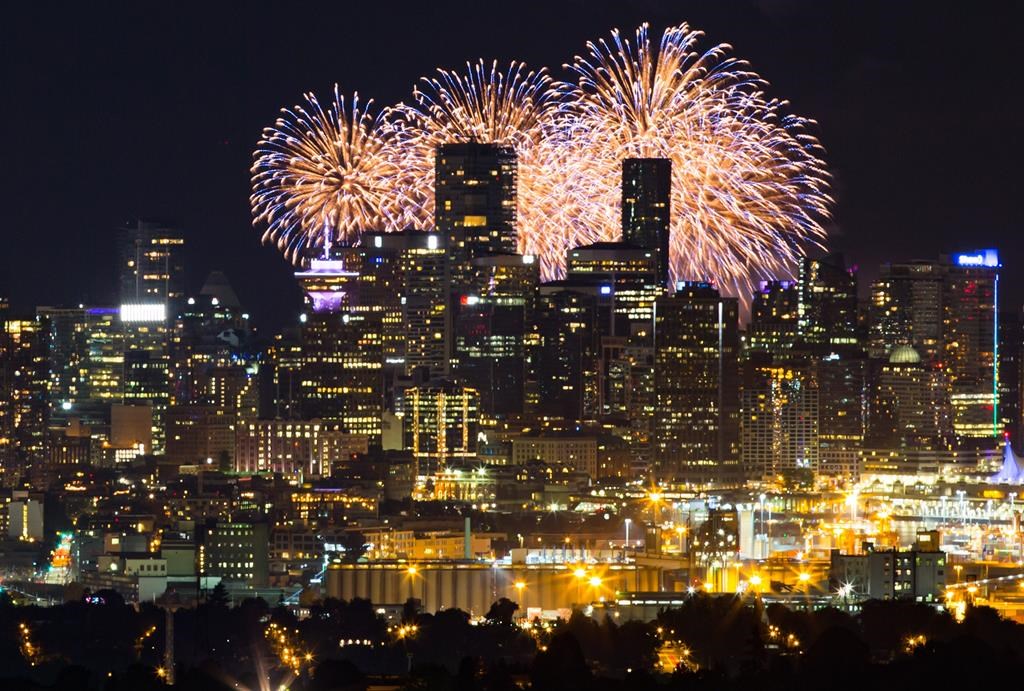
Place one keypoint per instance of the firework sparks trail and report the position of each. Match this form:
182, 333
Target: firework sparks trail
321, 176
749, 188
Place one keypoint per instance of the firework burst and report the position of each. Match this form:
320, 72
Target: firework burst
511, 107
748, 186
322, 176
749, 189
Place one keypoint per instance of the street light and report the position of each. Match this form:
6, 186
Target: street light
845, 591
755, 584
411, 572
628, 521
580, 574
655, 499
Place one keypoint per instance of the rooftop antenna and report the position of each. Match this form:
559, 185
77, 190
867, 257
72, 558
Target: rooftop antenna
328, 239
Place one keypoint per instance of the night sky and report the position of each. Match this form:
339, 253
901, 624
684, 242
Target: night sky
154, 109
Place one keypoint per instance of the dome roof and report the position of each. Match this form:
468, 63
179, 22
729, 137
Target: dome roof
904, 355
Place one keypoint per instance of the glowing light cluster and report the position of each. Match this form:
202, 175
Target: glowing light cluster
321, 176
749, 188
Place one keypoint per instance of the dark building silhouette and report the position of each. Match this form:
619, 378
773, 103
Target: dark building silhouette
828, 301
474, 204
24, 412
646, 207
567, 351
492, 323
696, 407
150, 265
774, 318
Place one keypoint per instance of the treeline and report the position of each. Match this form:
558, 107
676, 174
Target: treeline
719, 643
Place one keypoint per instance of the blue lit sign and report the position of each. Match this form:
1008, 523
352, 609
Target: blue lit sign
985, 258
606, 290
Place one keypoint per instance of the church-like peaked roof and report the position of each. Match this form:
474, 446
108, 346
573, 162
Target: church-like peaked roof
217, 286
1012, 472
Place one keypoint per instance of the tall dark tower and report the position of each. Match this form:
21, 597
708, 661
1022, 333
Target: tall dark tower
474, 204
150, 265
152, 290
696, 412
646, 207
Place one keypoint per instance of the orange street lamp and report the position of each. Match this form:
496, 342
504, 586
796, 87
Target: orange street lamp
520, 586
580, 574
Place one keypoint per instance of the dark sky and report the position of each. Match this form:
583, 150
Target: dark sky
154, 109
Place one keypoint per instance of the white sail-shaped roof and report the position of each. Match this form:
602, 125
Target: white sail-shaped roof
1012, 472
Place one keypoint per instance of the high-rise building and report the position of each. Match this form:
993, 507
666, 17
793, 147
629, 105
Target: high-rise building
151, 265
377, 294
66, 343
971, 356
101, 371
6, 373
441, 420
151, 269
280, 389
827, 301
842, 377
474, 204
213, 378
211, 362
907, 309
426, 314
146, 383
625, 274
908, 404
404, 273
340, 378
147, 362
625, 280
774, 318
26, 408
1011, 339
340, 372
947, 311
565, 365
780, 420
646, 208
492, 322
696, 408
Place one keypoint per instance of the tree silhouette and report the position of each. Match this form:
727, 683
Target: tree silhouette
502, 612
219, 596
561, 667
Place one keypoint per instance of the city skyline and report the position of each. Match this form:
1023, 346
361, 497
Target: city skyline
689, 351
218, 236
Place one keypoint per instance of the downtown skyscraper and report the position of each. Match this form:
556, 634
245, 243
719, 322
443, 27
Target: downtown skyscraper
474, 204
647, 207
696, 407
